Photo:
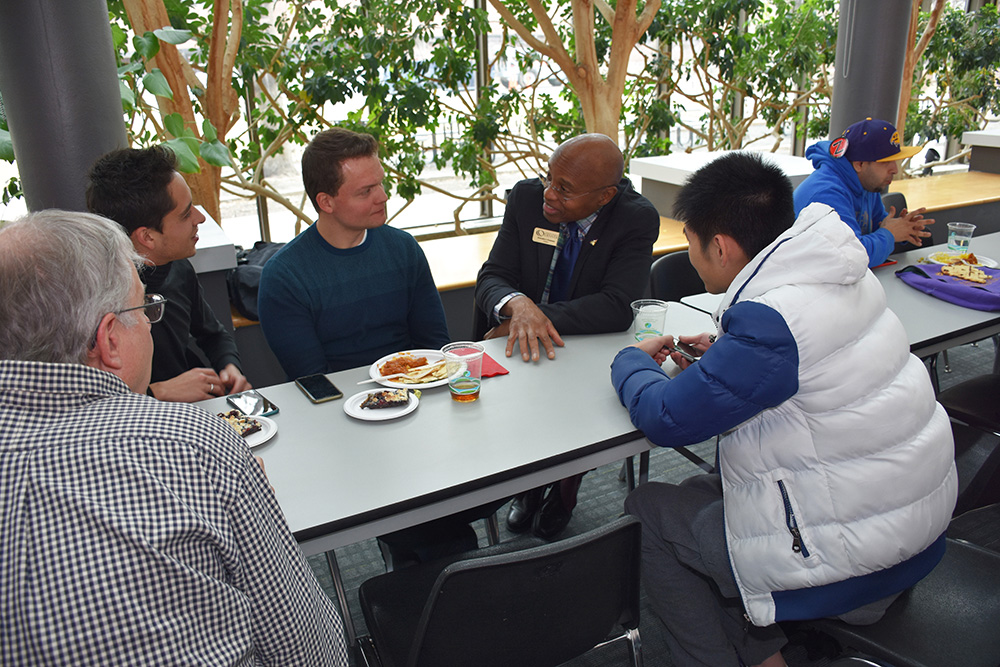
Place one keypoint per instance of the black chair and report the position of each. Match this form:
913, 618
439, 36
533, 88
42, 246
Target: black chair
534, 607
671, 277
977, 457
975, 402
980, 526
897, 200
948, 618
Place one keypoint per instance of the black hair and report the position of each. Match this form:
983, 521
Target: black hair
740, 195
130, 186
324, 156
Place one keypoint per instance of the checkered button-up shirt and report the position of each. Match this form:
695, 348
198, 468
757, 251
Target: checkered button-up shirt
139, 532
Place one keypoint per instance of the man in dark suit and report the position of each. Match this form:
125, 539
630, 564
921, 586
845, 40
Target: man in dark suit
572, 254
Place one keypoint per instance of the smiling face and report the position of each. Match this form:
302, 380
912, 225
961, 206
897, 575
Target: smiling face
178, 233
585, 171
876, 176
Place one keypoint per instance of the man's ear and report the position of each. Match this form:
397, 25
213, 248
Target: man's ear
858, 166
608, 194
105, 354
143, 239
325, 202
729, 252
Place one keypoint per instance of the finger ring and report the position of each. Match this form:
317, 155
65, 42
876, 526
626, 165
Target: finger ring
211, 388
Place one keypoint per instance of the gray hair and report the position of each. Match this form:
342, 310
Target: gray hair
60, 273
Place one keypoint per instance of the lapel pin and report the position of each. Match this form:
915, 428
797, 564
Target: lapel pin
594, 242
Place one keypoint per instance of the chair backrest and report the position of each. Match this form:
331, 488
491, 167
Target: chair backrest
975, 402
536, 607
977, 457
897, 199
672, 277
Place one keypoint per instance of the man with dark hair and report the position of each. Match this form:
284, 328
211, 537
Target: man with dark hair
851, 173
142, 191
349, 289
822, 505
572, 254
132, 531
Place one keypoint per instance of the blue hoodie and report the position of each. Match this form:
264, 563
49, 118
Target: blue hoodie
836, 184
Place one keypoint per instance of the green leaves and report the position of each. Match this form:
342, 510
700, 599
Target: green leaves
157, 84
6, 146
187, 146
956, 87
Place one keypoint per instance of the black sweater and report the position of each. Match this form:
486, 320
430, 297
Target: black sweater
187, 320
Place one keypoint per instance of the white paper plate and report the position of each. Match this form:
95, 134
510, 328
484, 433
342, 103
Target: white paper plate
352, 407
267, 430
432, 356
940, 257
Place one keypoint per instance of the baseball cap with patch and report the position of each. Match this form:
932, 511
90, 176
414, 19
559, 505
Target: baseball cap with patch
871, 141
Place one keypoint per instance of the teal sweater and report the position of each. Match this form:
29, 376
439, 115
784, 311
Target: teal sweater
323, 309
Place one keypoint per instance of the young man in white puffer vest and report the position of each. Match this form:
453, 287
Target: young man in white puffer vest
836, 475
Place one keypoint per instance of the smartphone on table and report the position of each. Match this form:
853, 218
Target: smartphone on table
318, 388
252, 403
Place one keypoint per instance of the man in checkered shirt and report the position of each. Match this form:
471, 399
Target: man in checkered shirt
131, 531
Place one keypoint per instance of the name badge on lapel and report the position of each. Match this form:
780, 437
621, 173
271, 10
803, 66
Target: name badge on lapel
545, 236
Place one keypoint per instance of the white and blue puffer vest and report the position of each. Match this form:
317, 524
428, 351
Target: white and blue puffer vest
843, 487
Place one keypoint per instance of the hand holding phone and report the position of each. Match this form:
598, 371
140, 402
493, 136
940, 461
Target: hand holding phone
680, 349
318, 388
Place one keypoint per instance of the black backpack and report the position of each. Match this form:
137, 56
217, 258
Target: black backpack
244, 280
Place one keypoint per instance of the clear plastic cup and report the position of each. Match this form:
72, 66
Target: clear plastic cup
464, 362
960, 236
649, 318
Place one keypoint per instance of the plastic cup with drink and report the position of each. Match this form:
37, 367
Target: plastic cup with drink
464, 363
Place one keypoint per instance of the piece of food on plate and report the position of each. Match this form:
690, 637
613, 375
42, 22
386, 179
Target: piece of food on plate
386, 398
952, 259
966, 272
241, 423
401, 363
432, 373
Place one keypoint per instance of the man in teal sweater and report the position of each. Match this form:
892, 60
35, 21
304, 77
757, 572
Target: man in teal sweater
349, 289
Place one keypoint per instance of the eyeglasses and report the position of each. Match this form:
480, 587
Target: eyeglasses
153, 304
562, 193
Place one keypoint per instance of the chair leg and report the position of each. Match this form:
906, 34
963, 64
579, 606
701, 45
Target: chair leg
492, 529
644, 467
627, 473
366, 655
635, 647
947, 366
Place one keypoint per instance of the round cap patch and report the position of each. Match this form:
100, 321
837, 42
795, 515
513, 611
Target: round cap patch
838, 147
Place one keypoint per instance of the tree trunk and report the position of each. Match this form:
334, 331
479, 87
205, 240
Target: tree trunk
147, 16
600, 96
914, 51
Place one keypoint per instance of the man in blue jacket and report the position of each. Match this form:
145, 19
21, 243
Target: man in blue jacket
821, 504
851, 173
